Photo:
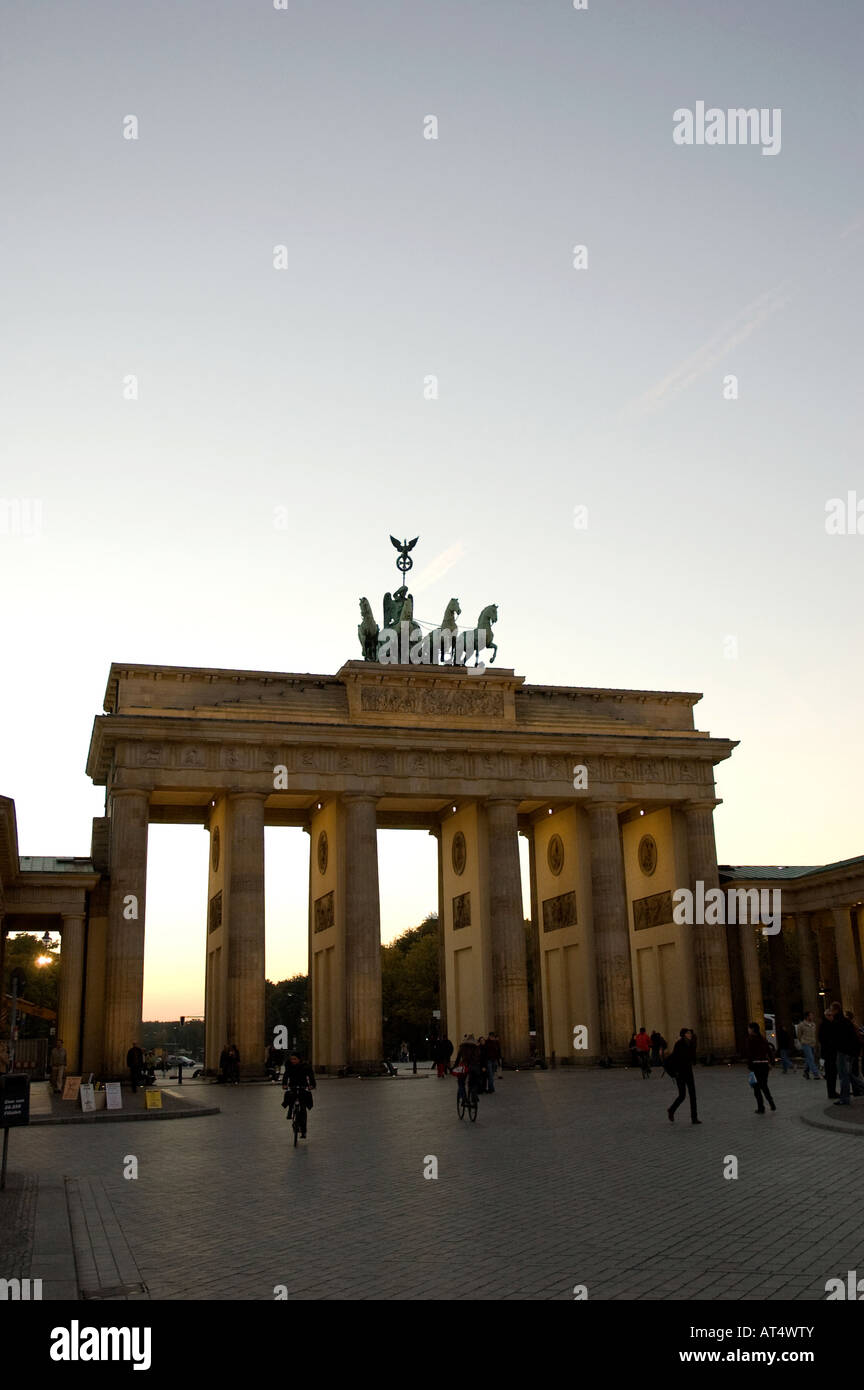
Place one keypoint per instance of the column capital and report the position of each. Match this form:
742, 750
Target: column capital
701, 804
116, 792
73, 917
506, 802
242, 794
358, 798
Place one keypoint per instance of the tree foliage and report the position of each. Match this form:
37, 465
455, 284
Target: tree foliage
409, 987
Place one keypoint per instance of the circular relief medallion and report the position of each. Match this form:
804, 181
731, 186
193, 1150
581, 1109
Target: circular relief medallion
459, 853
322, 853
555, 854
647, 854
215, 847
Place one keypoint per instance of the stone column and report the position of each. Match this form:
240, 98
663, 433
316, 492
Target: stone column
507, 932
536, 952
124, 958
715, 1029
824, 932
808, 958
362, 933
611, 933
752, 978
847, 964
780, 974
245, 1012
442, 953
71, 990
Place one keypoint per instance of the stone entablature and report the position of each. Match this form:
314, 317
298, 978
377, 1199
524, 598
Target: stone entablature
388, 740
362, 691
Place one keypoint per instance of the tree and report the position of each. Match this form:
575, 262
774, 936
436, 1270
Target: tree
409, 986
287, 1003
40, 984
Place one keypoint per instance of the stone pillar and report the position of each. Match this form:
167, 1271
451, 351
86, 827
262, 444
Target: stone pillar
536, 953
715, 1029
507, 932
808, 959
362, 934
611, 933
245, 1012
442, 954
847, 964
124, 962
71, 990
829, 976
755, 1006
780, 975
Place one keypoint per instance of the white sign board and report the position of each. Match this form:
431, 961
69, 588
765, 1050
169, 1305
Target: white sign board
113, 1095
87, 1096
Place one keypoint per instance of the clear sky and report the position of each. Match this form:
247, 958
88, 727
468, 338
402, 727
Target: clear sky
302, 388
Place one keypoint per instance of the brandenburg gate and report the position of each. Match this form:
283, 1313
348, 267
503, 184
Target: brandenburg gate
613, 789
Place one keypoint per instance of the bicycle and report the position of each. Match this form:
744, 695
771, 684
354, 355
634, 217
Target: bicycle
467, 1097
298, 1114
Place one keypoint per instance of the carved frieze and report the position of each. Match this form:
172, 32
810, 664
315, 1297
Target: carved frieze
653, 911
461, 911
390, 699
214, 914
324, 912
559, 912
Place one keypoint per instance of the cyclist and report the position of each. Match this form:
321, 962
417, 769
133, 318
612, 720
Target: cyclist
470, 1057
298, 1083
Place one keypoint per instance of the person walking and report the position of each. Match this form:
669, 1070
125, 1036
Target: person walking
634, 1055
848, 1050
135, 1063
224, 1065
493, 1061
643, 1052
57, 1061
759, 1057
807, 1039
828, 1049
658, 1048
680, 1068
784, 1045
234, 1065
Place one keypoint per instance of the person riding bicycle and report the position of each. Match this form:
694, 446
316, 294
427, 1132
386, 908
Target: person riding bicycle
469, 1056
299, 1083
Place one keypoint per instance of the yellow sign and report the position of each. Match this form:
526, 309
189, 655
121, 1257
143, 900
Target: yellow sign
153, 1099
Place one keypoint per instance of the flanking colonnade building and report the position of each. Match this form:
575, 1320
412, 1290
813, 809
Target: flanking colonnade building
613, 790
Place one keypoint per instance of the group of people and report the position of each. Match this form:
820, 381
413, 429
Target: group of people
647, 1050
840, 1043
482, 1057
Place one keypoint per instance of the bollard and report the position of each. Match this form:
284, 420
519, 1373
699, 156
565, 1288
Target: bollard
179, 1073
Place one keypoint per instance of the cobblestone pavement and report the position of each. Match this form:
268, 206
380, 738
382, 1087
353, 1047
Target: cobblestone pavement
567, 1178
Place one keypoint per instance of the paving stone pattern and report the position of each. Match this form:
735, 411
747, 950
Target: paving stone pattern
568, 1177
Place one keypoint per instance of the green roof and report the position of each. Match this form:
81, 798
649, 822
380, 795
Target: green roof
757, 871
49, 864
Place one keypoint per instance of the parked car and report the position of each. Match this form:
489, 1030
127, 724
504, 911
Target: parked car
187, 1063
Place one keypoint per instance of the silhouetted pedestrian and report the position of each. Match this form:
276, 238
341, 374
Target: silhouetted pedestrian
58, 1066
135, 1063
680, 1068
828, 1048
643, 1052
759, 1057
493, 1060
807, 1039
658, 1048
